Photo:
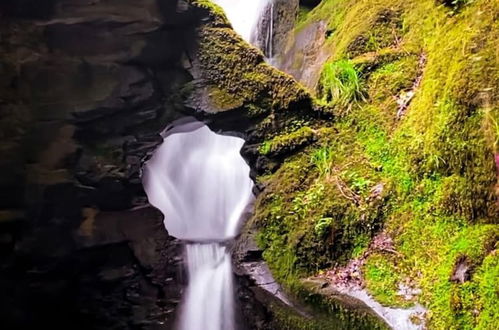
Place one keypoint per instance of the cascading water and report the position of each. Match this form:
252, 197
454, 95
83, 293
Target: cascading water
209, 300
253, 20
200, 182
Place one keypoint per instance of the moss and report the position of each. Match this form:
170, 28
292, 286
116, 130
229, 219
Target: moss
285, 144
383, 277
326, 314
384, 32
223, 100
392, 78
435, 160
216, 13
238, 69
303, 230
487, 289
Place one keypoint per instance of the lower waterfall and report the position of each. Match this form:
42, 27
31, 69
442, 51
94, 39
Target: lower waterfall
209, 301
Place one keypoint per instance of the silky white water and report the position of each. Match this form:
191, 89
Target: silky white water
209, 299
244, 15
201, 184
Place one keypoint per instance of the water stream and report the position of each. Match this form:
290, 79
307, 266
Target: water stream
245, 16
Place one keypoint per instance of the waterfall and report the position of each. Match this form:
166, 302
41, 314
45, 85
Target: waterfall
268, 45
253, 20
209, 301
201, 184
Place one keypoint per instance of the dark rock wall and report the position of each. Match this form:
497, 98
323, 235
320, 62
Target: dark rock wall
85, 88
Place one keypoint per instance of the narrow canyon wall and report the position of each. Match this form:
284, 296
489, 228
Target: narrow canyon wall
86, 89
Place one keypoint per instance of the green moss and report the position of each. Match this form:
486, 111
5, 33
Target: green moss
435, 159
390, 79
383, 278
216, 13
488, 291
384, 32
285, 144
223, 100
303, 230
237, 69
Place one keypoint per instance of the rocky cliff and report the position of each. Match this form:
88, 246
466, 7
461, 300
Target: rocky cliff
87, 86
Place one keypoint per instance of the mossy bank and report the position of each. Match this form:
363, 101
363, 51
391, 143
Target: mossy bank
400, 141
412, 152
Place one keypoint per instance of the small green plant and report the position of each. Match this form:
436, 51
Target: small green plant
357, 182
322, 226
322, 159
340, 84
265, 147
306, 201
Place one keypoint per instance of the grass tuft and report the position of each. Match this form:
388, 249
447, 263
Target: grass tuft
340, 84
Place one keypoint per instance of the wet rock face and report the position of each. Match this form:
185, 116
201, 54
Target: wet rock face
303, 58
27, 8
86, 88
117, 270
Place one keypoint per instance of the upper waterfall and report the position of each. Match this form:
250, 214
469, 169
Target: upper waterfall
244, 15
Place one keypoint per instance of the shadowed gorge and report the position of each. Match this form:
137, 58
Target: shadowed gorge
244, 164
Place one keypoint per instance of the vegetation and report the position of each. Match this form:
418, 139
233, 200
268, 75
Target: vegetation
322, 159
287, 143
238, 72
340, 84
411, 153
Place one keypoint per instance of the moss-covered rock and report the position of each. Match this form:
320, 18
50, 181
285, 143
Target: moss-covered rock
425, 130
234, 68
